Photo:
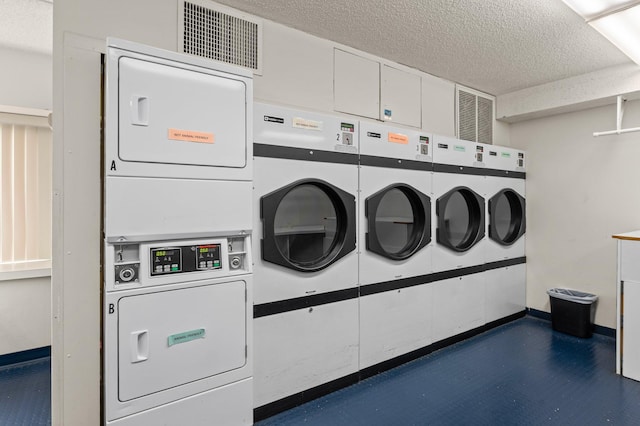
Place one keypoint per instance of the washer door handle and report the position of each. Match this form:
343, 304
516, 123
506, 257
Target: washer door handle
139, 346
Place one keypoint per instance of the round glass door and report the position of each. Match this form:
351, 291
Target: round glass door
307, 225
507, 217
399, 222
460, 219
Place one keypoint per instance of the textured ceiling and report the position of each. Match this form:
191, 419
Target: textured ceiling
27, 25
496, 46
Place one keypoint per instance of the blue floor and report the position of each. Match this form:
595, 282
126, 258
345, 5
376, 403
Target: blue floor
521, 373
25, 393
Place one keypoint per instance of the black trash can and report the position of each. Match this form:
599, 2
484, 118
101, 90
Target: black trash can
572, 312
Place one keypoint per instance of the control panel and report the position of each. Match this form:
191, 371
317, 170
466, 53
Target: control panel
165, 262
175, 260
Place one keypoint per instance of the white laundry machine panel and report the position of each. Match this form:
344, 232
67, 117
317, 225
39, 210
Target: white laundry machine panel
459, 191
177, 257
178, 138
306, 265
506, 226
199, 408
306, 181
173, 115
395, 322
506, 205
458, 305
394, 203
175, 326
304, 348
505, 291
396, 242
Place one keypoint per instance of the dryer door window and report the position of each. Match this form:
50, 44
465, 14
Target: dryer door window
307, 225
398, 221
507, 217
461, 219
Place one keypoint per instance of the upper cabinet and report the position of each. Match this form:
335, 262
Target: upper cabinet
401, 97
370, 89
356, 87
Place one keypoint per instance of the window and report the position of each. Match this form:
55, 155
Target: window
25, 182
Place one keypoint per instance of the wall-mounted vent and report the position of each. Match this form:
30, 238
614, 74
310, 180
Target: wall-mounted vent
475, 115
216, 32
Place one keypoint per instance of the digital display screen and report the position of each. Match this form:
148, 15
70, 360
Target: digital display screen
208, 257
166, 261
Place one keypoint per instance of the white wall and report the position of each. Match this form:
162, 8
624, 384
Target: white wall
25, 79
580, 191
25, 304
25, 314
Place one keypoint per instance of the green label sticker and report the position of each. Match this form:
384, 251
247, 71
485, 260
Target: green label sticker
505, 154
347, 127
459, 148
185, 337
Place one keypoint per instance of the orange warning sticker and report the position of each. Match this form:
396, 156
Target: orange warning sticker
398, 138
190, 136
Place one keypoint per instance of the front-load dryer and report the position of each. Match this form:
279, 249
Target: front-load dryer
506, 227
306, 262
396, 243
459, 191
506, 212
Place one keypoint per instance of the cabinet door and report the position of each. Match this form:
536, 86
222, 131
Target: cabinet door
401, 95
629, 265
356, 88
631, 330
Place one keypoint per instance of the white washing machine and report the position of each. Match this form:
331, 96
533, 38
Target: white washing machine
396, 242
177, 266
506, 227
459, 190
306, 265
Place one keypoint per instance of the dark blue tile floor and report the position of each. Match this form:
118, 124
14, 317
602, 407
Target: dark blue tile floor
522, 373
25, 393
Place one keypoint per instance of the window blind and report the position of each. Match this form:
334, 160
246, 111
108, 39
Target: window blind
25, 181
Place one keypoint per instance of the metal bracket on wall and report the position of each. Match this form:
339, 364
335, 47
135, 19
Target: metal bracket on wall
620, 114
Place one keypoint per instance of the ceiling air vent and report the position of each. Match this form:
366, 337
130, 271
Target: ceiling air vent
474, 115
216, 32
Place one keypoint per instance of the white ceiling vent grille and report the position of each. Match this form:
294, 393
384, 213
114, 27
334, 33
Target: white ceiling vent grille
475, 115
216, 32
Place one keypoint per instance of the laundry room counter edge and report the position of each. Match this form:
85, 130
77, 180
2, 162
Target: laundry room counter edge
632, 236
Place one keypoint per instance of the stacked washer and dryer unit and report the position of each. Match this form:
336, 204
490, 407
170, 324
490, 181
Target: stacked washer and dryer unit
306, 263
177, 266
